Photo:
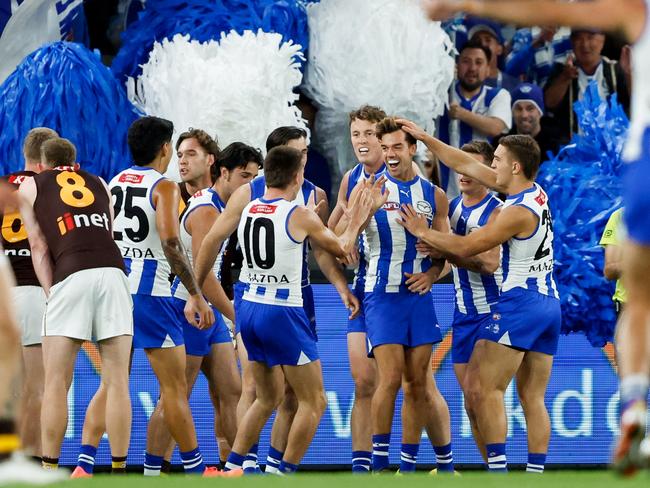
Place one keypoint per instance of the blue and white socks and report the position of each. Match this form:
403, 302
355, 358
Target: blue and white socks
496, 454
152, 464
273, 460
287, 468
408, 458
361, 461
380, 444
536, 462
235, 461
444, 458
192, 462
250, 463
86, 459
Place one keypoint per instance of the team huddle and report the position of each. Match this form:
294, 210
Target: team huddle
139, 263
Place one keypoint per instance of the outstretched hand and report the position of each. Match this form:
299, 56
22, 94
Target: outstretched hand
412, 128
413, 222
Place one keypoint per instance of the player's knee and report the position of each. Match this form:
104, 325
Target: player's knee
320, 402
289, 403
391, 381
530, 400
364, 385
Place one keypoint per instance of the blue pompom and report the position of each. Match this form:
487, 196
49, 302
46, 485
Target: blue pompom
66, 87
584, 185
204, 20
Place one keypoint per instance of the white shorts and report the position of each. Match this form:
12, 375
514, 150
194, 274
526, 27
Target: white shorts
29, 303
90, 305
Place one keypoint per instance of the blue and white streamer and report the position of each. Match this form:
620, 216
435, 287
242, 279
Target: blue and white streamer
66, 87
584, 185
205, 20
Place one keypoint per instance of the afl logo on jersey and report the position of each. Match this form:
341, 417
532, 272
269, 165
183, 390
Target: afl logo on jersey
423, 207
263, 209
391, 206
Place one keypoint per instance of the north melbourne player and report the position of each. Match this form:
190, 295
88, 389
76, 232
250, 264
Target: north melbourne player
522, 336
274, 326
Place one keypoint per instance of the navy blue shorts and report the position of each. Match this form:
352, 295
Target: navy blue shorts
525, 320
465, 333
402, 318
156, 323
198, 342
276, 335
307, 304
637, 197
358, 324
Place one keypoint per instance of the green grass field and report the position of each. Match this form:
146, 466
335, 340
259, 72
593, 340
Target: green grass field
553, 479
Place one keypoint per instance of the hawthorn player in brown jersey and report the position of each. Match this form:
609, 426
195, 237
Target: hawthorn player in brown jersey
28, 297
68, 217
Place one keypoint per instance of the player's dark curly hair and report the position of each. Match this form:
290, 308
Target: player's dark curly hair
388, 125
147, 136
238, 155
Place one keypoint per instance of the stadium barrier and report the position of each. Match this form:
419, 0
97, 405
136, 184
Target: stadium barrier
582, 399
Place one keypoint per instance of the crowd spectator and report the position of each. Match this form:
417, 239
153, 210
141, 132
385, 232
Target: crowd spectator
489, 34
476, 111
528, 117
535, 51
569, 81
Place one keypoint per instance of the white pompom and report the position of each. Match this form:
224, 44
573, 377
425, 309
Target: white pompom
238, 89
384, 53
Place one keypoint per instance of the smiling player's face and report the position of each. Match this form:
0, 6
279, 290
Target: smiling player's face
398, 154
366, 146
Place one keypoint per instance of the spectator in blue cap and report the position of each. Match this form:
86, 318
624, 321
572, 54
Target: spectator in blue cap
488, 33
528, 116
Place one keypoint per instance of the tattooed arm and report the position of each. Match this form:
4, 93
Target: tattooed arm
166, 198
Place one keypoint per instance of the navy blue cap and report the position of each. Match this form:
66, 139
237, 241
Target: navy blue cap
528, 92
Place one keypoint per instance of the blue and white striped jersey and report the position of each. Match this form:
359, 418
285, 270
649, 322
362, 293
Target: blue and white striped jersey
204, 198
269, 271
358, 174
638, 141
135, 232
305, 195
475, 292
528, 263
391, 248
490, 102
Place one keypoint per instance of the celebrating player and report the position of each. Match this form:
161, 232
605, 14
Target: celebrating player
211, 350
80, 269
399, 277
477, 279
523, 334
272, 231
629, 18
29, 298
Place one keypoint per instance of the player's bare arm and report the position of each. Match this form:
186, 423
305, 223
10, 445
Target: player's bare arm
484, 263
458, 160
613, 262
222, 228
166, 197
41, 258
198, 224
626, 16
333, 272
515, 221
322, 204
341, 203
